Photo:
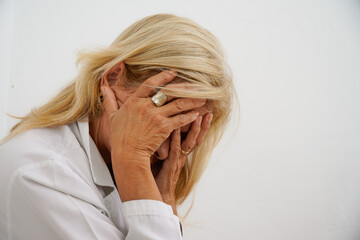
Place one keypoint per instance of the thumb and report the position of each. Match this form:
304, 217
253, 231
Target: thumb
109, 103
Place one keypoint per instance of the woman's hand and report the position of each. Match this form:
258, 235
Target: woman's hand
137, 130
139, 127
167, 177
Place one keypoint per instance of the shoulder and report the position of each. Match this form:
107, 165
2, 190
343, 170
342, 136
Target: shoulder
43, 153
44, 174
36, 145
46, 157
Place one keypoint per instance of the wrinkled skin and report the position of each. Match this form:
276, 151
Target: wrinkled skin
133, 133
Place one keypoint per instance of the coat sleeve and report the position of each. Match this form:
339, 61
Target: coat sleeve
150, 219
47, 201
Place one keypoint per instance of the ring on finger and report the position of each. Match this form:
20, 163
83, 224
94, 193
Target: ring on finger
159, 99
185, 152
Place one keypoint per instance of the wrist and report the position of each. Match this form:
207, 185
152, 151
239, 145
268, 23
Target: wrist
134, 179
130, 159
122, 155
170, 200
127, 167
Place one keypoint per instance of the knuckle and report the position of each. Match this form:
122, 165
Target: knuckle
157, 118
165, 127
177, 150
150, 80
142, 111
177, 153
174, 171
179, 104
161, 123
154, 80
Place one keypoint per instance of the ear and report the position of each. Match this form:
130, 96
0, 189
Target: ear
114, 75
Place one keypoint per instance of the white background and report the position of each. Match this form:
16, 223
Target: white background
292, 171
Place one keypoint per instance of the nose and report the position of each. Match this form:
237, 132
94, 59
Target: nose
162, 152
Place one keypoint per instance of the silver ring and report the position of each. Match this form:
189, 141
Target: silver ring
159, 99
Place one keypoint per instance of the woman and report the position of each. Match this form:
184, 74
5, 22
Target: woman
117, 150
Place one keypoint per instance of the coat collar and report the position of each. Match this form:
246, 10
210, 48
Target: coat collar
99, 171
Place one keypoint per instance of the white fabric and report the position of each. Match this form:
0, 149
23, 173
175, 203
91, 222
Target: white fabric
54, 184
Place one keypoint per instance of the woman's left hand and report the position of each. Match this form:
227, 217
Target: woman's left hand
167, 177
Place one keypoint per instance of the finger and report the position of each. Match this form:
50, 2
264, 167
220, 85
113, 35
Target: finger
182, 119
148, 87
181, 105
191, 139
206, 122
178, 84
172, 163
109, 103
175, 143
175, 85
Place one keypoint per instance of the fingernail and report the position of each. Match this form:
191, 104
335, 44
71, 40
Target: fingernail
211, 117
195, 115
199, 119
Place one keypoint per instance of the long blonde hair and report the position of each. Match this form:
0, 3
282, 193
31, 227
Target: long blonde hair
154, 43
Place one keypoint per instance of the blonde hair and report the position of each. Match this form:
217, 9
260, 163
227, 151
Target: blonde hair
154, 43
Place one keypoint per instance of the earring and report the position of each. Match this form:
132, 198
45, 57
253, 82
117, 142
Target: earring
101, 95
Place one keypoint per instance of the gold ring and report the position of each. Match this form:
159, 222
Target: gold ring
159, 99
184, 152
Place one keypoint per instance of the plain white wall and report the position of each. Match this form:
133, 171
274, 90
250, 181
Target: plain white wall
293, 169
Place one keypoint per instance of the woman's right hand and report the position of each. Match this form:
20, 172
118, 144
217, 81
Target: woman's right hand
137, 130
139, 127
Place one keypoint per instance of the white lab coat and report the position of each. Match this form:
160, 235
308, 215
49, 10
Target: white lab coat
54, 184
